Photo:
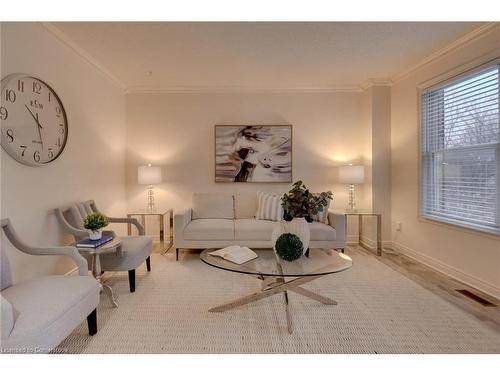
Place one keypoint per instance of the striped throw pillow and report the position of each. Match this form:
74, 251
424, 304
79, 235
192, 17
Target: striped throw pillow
322, 216
269, 207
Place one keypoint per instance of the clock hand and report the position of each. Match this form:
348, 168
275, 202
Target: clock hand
37, 123
39, 131
31, 113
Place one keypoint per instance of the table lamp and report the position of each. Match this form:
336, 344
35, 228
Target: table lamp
352, 174
149, 175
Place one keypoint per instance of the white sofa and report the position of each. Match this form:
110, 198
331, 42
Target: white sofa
219, 219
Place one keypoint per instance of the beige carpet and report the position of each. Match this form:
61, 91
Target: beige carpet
378, 311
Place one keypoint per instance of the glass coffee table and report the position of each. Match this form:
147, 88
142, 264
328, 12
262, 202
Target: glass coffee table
274, 272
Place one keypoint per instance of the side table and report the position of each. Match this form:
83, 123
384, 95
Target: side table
361, 215
161, 218
112, 247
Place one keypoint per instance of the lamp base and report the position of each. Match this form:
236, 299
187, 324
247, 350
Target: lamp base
151, 199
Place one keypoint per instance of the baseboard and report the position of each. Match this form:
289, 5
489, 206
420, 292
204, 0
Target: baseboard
448, 270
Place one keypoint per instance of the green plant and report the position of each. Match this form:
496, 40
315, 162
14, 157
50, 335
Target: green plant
300, 202
95, 221
289, 247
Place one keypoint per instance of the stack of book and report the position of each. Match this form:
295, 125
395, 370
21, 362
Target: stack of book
92, 244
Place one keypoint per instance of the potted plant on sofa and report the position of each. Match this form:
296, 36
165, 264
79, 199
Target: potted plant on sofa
299, 207
94, 223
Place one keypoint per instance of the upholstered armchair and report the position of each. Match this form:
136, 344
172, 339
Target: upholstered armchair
135, 249
38, 314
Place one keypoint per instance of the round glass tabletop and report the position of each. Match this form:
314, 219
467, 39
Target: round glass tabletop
319, 262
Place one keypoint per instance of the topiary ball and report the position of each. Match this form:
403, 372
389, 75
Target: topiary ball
289, 247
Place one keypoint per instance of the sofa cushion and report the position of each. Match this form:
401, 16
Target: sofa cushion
245, 206
135, 250
213, 206
253, 229
209, 229
7, 317
321, 232
41, 302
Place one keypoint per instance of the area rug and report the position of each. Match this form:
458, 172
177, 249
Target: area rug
379, 311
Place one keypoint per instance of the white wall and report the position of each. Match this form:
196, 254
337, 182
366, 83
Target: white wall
92, 165
177, 131
467, 255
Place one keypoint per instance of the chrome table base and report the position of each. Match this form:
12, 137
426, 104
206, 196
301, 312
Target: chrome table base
274, 285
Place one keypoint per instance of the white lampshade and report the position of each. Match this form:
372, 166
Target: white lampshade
149, 175
352, 174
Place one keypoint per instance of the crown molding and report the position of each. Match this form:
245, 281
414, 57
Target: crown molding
65, 39
239, 89
457, 44
376, 82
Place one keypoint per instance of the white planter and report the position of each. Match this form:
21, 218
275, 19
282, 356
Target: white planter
95, 235
297, 226
278, 230
300, 228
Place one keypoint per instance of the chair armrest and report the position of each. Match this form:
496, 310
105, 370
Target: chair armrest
78, 233
338, 220
180, 221
128, 220
69, 251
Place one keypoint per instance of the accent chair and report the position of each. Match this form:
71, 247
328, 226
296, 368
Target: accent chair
40, 313
135, 249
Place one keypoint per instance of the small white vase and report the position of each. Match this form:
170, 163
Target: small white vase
95, 234
300, 228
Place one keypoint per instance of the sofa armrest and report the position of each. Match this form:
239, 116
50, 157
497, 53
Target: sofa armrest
180, 221
338, 220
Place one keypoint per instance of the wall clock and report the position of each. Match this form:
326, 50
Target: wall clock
33, 121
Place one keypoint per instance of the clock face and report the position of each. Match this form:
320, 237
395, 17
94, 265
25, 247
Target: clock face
33, 120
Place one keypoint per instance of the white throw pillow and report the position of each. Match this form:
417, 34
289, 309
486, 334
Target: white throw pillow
269, 207
7, 317
245, 205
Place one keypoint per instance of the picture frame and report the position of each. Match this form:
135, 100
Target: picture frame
253, 153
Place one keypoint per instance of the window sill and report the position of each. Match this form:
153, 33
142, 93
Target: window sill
477, 232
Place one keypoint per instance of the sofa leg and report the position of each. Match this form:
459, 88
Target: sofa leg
92, 322
131, 280
177, 254
148, 264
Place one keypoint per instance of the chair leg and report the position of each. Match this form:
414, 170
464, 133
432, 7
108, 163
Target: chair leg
176, 254
148, 264
131, 280
92, 322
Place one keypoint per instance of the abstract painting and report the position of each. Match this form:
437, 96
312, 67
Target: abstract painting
253, 153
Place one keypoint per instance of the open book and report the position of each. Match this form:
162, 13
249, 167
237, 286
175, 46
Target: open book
236, 254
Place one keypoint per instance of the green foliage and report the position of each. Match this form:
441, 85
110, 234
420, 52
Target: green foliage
300, 202
289, 247
95, 221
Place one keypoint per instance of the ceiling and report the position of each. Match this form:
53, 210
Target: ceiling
183, 55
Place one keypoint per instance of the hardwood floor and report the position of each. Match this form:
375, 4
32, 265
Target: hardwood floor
442, 285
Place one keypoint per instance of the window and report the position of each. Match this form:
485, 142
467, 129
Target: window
461, 151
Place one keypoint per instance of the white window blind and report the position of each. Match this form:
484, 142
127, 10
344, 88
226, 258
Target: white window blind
461, 151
